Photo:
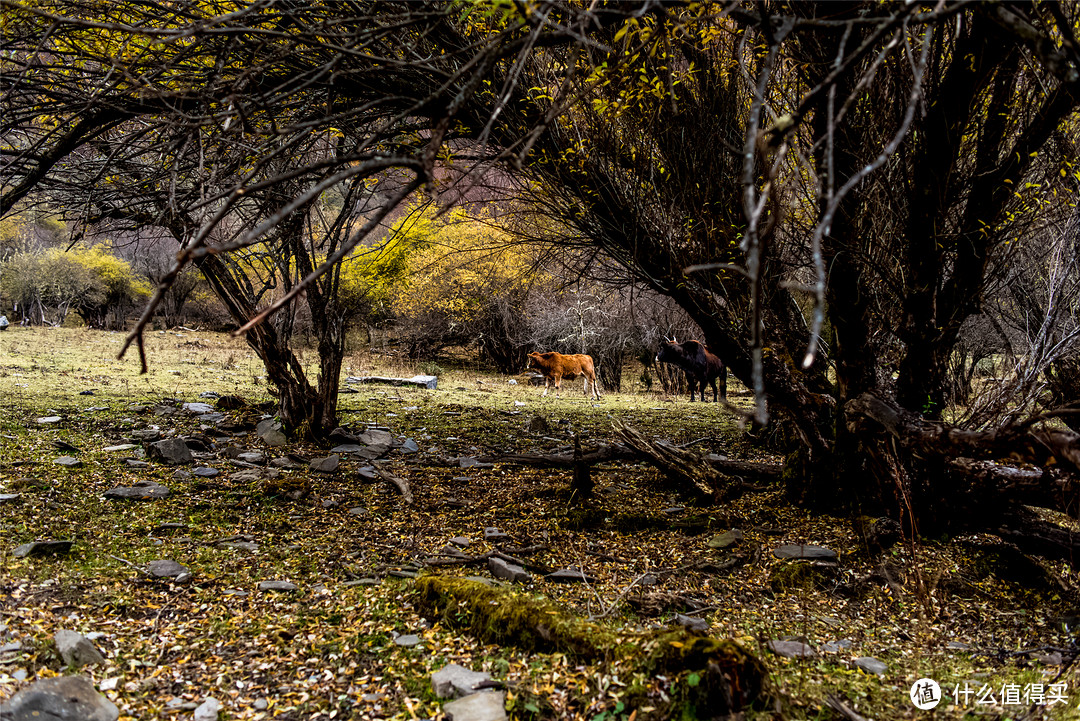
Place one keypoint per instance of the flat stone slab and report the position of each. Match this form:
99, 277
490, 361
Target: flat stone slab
47, 420
63, 698
460, 541
836, 646
569, 575
805, 552
492, 534
723, 540
792, 649
141, 491
407, 640
206, 472
164, 568
871, 665
454, 681
281, 586
120, 448
42, 548
67, 462
270, 431
483, 706
692, 623
198, 409
507, 571
9, 497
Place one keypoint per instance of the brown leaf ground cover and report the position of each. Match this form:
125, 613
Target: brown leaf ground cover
968, 612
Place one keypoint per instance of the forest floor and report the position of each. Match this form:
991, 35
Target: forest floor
996, 629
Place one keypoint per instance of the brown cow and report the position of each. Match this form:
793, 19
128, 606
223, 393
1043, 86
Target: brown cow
556, 366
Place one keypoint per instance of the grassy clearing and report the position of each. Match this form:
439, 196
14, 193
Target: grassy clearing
328, 651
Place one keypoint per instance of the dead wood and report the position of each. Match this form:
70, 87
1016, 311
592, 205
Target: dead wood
687, 468
399, 483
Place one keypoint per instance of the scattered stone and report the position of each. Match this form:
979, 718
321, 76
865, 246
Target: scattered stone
120, 448
277, 586
806, 552
198, 409
9, 497
163, 410
141, 491
674, 510
871, 665
67, 462
87, 392
47, 420
135, 463
723, 540
376, 437
76, 650
958, 646
62, 698
12, 647
165, 568
1054, 658
260, 704
836, 646
254, 457
248, 475
454, 681
358, 511
205, 472
493, 535
408, 640
209, 394
325, 465
173, 451
401, 573
288, 463
409, 446
330, 503
791, 649
363, 582
569, 575
692, 623
507, 571
181, 475
239, 543
471, 462
208, 710
269, 430
648, 579
146, 435
460, 541
42, 548
483, 706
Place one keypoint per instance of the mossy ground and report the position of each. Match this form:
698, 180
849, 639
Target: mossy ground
327, 651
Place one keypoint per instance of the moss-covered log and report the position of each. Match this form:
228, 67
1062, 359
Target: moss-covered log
705, 676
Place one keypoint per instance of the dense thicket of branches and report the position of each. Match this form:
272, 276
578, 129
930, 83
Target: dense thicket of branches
831, 190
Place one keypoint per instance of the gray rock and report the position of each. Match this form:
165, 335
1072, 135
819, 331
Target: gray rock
269, 430
42, 548
135, 463
460, 542
470, 462
76, 650
206, 472
47, 420
454, 681
648, 579
141, 491
181, 475
165, 568
62, 698
958, 646
807, 552
278, 586
407, 640
692, 623
836, 646
173, 451
260, 704
198, 409
569, 575
248, 475
537, 424
326, 465
429, 382
376, 437
9, 497
483, 706
871, 665
409, 446
492, 535
287, 463
146, 435
723, 540
507, 571
791, 649
120, 448
12, 647
208, 710
254, 457
358, 511
238, 545
67, 462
